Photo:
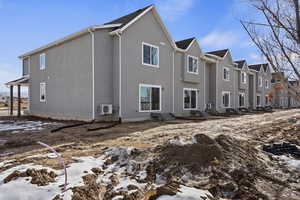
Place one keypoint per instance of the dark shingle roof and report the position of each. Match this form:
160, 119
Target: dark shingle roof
255, 67
265, 66
220, 53
240, 63
127, 18
184, 44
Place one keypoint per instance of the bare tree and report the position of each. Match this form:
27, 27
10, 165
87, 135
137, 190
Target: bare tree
276, 34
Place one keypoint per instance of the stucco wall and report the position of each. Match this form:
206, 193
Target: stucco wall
68, 78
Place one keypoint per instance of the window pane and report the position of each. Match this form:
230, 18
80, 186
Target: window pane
145, 98
258, 100
155, 99
154, 56
187, 98
195, 65
226, 100
193, 99
224, 74
146, 50
190, 67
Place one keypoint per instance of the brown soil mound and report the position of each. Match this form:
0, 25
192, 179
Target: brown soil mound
91, 190
39, 177
205, 152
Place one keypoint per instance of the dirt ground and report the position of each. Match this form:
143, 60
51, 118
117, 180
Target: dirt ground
221, 145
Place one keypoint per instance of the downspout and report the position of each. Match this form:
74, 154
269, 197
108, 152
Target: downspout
204, 95
120, 74
173, 104
217, 67
234, 88
93, 72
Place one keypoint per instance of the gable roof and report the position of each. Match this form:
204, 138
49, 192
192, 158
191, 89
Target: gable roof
184, 44
265, 66
256, 67
219, 53
128, 18
240, 63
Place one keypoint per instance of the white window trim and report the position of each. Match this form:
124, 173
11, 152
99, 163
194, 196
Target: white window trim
227, 68
229, 103
43, 100
258, 95
243, 94
196, 58
245, 80
190, 89
260, 83
267, 83
42, 67
160, 99
151, 45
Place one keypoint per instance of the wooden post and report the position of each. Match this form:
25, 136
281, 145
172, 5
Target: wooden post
19, 100
11, 100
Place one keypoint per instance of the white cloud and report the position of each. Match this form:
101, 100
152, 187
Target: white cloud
220, 39
256, 58
173, 9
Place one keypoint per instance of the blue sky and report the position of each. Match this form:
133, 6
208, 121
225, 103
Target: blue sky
26, 25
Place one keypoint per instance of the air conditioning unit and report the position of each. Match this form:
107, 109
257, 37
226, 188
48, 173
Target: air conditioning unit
106, 109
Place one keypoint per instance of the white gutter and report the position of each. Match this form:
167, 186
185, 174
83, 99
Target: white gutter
173, 104
214, 56
217, 67
67, 38
93, 72
204, 84
120, 74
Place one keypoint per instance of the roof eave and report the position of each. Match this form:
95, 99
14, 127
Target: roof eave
67, 38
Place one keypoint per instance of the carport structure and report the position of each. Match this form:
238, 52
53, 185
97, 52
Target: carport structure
21, 82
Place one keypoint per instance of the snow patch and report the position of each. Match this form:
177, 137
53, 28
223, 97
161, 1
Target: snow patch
16, 126
291, 162
188, 193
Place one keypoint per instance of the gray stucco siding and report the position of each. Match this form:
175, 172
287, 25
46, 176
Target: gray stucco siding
135, 73
104, 67
68, 78
226, 85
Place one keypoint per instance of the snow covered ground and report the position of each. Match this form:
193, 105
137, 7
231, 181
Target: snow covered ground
17, 126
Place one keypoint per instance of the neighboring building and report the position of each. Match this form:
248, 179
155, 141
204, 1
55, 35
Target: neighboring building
224, 81
244, 82
131, 67
263, 84
283, 98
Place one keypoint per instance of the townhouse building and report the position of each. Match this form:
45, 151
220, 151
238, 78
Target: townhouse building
130, 68
263, 89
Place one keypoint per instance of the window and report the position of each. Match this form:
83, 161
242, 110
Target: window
226, 99
192, 65
244, 77
267, 83
258, 100
260, 81
150, 98
190, 99
150, 55
242, 99
42, 61
42, 92
226, 74
266, 100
